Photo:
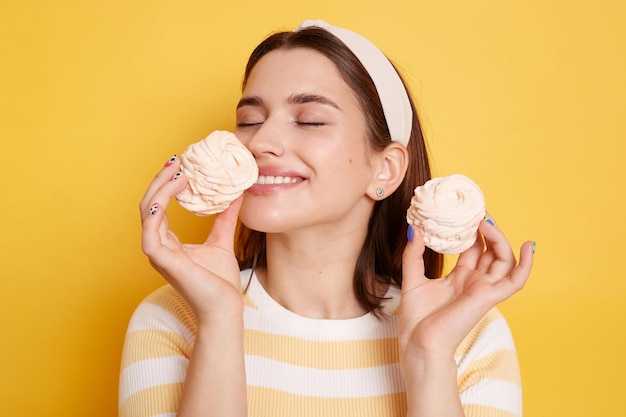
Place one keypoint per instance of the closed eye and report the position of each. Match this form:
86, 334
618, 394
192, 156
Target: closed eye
248, 124
310, 123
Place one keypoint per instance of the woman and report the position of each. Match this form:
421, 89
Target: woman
325, 309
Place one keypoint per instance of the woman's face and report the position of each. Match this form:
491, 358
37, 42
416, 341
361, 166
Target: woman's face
307, 133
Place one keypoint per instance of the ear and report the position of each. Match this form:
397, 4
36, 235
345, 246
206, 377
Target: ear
390, 167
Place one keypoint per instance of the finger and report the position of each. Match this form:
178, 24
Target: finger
488, 256
476, 256
490, 219
151, 236
503, 258
520, 274
471, 257
413, 259
163, 176
164, 193
155, 227
224, 226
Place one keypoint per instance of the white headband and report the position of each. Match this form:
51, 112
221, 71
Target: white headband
391, 91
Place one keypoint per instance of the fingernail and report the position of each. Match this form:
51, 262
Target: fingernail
489, 220
177, 175
154, 208
170, 161
534, 247
410, 232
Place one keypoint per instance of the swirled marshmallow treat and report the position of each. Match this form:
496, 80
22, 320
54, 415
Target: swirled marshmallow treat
218, 169
448, 211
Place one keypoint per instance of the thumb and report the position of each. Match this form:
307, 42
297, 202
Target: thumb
224, 226
413, 259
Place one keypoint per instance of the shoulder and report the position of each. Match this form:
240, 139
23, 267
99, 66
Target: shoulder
490, 334
488, 371
164, 310
162, 326
488, 375
157, 347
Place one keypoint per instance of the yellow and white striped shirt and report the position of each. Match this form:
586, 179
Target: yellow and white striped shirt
302, 367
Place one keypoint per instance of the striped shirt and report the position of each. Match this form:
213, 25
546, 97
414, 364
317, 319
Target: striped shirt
297, 366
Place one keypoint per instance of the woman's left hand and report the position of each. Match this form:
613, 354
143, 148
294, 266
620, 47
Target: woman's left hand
437, 314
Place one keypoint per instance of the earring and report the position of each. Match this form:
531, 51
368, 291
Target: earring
380, 192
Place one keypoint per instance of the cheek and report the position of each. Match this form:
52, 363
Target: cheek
351, 163
339, 151
242, 136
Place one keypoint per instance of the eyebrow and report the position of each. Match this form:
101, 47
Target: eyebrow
311, 98
249, 101
292, 99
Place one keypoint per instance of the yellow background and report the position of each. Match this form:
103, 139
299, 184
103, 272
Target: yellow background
526, 97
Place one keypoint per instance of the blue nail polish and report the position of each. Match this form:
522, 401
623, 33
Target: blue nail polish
489, 220
410, 231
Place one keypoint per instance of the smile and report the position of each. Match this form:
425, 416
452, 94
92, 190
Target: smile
269, 180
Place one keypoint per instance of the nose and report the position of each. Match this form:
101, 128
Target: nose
263, 139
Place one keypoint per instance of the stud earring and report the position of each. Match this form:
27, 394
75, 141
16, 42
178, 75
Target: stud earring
380, 192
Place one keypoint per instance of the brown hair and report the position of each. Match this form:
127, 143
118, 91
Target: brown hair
380, 259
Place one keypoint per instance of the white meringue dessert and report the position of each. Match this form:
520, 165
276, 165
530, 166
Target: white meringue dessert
447, 210
218, 170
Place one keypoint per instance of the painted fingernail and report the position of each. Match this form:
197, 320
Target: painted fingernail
170, 161
534, 247
154, 208
177, 175
489, 220
410, 232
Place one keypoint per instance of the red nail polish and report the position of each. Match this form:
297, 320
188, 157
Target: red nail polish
170, 161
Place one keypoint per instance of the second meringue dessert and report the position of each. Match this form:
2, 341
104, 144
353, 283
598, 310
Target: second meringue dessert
218, 169
448, 211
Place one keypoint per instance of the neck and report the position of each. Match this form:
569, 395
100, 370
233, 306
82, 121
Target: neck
314, 279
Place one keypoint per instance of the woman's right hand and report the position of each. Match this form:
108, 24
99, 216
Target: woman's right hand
206, 275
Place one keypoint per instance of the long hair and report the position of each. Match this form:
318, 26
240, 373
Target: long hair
380, 259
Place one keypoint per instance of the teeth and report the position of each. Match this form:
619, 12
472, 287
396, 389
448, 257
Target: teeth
269, 179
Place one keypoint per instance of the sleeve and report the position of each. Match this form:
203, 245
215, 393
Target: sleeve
488, 375
157, 347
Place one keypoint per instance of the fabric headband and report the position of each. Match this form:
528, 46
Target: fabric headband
391, 91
